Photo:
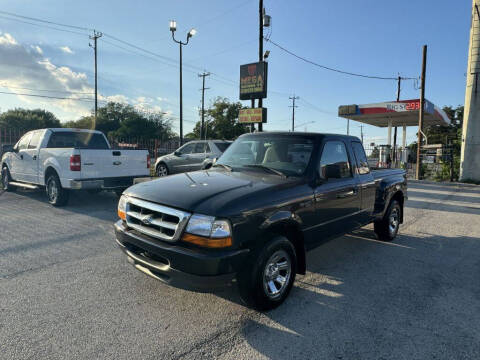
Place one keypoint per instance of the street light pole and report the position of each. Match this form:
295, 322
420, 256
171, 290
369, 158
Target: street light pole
192, 32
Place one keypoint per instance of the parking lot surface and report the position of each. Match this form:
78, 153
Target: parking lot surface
67, 292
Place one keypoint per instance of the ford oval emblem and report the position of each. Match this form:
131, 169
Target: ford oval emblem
147, 220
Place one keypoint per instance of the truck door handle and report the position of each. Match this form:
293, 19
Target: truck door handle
347, 194
21, 156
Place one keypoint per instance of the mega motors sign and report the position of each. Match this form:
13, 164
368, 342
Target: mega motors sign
254, 115
253, 81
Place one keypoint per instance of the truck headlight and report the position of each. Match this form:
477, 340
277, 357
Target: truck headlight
206, 231
122, 207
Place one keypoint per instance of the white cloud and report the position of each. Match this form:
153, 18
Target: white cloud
37, 48
25, 67
66, 50
115, 98
7, 39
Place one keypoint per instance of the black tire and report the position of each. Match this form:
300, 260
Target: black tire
254, 283
56, 194
161, 170
6, 180
387, 228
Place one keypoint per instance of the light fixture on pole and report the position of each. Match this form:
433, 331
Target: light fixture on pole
192, 32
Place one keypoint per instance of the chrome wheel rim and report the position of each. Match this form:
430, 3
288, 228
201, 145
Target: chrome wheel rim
393, 220
162, 171
52, 190
276, 274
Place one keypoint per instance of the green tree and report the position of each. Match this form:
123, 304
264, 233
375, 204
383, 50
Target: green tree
123, 120
25, 119
221, 121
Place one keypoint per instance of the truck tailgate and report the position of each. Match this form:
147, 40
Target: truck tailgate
113, 163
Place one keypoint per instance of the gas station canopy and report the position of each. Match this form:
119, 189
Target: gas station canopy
394, 113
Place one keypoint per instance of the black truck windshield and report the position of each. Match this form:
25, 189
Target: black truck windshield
289, 155
79, 140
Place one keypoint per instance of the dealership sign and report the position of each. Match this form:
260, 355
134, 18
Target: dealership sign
253, 81
254, 115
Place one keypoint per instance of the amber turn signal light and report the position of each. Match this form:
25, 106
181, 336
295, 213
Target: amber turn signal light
207, 242
122, 215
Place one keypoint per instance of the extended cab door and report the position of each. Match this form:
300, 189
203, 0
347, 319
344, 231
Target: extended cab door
337, 197
367, 183
17, 163
30, 157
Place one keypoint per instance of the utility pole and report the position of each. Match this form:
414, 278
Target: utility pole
421, 113
203, 101
399, 82
260, 47
470, 153
293, 106
95, 37
361, 132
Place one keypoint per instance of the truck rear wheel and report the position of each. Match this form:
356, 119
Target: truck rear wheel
6, 180
57, 195
267, 281
387, 228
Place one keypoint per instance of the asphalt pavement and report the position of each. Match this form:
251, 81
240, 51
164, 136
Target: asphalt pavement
67, 292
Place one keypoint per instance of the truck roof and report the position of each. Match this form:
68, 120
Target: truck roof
300, 133
74, 130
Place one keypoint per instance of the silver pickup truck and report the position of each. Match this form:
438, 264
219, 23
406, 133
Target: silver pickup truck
70, 159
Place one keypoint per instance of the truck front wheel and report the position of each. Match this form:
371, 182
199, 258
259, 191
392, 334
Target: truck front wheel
57, 195
266, 283
6, 180
387, 228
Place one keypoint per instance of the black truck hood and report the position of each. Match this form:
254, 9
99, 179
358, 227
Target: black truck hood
209, 192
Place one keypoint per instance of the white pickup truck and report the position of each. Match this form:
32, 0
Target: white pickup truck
70, 159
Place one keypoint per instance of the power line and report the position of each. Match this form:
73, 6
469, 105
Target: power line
330, 68
46, 90
42, 25
47, 96
45, 21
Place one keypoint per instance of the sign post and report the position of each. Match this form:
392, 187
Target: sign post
252, 116
253, 85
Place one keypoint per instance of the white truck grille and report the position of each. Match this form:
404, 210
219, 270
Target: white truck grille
155, 220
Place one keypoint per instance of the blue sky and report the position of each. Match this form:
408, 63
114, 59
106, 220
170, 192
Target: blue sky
372, 37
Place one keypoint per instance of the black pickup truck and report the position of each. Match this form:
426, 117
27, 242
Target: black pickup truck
251, 217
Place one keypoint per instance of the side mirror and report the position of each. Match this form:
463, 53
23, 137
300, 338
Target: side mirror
7, 148
177, 153
332, 171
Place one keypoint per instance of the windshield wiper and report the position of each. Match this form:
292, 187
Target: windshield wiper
229, 168
275, 171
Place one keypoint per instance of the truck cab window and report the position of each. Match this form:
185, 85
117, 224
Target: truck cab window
334, 163
23, 142
362, 161
80, 140
37, 135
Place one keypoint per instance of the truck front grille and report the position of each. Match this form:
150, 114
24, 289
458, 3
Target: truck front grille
155, 220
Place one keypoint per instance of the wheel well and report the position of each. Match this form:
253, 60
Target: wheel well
398, 196
295, 236
50, 170
161, 163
